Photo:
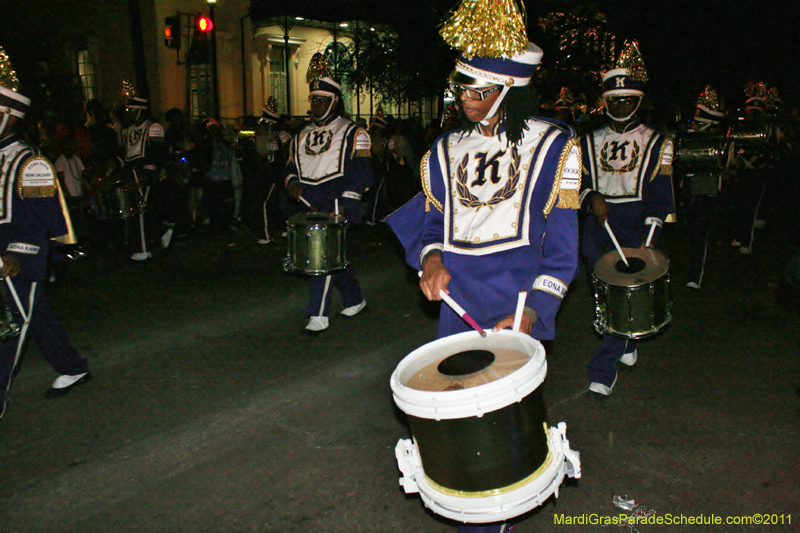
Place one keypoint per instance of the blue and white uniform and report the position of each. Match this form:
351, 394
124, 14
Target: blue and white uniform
633, 172
331, 160
503, 216
32, 212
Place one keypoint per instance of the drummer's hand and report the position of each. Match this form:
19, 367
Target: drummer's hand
599, 208
295, 190
525, 325
435, 277
11, 266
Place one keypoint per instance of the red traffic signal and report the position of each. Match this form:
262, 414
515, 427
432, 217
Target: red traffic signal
204, 24
172, 31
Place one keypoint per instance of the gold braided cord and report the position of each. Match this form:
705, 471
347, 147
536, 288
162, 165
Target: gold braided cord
486, 28
426, 186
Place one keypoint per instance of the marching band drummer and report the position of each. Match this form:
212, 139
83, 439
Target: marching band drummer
32, 212
498, 211
627, 181
329, 166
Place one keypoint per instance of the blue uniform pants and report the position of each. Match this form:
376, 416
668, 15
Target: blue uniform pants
44, 329
321, 287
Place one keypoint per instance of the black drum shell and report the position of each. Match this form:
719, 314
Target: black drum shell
487, 453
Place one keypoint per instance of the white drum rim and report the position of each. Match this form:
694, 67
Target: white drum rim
474, 401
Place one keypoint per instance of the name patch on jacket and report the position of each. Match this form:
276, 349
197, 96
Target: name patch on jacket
37, 178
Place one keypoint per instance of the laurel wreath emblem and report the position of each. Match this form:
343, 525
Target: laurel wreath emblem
324, 149
605, 166
468, 199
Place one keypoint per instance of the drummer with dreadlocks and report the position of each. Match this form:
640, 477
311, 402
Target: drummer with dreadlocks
32, 213
498, 212
329, 169
627, 182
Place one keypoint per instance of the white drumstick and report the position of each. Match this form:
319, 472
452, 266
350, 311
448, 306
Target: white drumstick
459, 310
650, 235
13, 290
306, 202
336, 206
520, 310
616, 244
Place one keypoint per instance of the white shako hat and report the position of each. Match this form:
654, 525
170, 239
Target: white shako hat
629, 76
707, 110
515, 71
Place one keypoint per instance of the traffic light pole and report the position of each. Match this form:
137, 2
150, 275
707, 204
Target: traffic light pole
214, 82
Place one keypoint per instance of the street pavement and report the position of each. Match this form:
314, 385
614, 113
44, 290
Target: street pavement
210, 411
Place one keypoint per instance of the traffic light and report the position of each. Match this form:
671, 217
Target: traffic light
204, 24
172, 32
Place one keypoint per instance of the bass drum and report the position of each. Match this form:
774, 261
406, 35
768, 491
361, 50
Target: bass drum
632, 301
482, 450
316, 243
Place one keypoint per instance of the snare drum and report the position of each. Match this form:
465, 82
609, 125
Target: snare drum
482, 450
701, 152
123, 201
632, 301
316, 243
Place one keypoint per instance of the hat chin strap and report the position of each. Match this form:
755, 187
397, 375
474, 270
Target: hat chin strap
3, 123
327, 111
496, 105
615, 119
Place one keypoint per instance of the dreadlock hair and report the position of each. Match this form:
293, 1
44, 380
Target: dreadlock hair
519, 104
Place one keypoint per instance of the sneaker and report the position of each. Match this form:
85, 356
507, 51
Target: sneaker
628, 359
316, 325
141, 256
284, 234
746, 250
353, 310
693, 285
64, 383
264, 241
166, 238
601, 389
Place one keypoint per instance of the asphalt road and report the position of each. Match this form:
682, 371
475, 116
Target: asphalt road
209, 410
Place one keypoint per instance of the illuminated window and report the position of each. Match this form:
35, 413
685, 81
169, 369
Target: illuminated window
86, 72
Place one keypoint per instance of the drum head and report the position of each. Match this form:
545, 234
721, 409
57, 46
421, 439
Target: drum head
467, 369
645, 265
314, 218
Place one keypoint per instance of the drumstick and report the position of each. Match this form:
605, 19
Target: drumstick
616, 244
336, 207
520, 310
13, 290
459, 310
306, 202
650, 235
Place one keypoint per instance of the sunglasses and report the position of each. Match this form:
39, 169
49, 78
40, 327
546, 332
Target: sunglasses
318, 99
472, 94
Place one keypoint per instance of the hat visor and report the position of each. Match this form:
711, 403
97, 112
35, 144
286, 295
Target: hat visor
464, 80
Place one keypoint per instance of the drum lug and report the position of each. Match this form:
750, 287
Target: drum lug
572, 457
408, 463
286, 263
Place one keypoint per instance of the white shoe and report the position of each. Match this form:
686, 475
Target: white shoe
353, 310
628, 359
264, 241
64, 383
736, 243
166, 238
316, 325
746, 250
604, 390
141, 256
693, 285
